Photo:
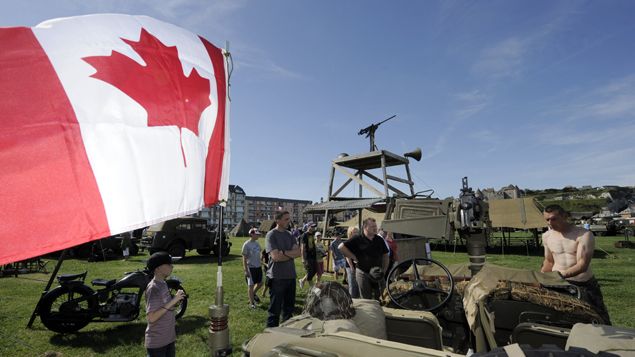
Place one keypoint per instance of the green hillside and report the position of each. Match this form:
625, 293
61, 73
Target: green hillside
594, 199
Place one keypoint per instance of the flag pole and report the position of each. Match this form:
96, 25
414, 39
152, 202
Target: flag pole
36, 311
219, 342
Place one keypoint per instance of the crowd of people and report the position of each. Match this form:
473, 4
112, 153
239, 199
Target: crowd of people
364, 258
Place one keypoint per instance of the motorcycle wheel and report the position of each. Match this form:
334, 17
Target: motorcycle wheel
60, 314
174, 286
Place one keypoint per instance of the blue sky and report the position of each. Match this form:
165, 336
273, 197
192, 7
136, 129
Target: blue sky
533, 93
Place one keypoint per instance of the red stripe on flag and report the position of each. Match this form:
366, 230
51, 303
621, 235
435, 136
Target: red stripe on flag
216, 149
49, 196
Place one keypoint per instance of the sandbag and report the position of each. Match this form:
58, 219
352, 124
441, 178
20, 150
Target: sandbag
369, 318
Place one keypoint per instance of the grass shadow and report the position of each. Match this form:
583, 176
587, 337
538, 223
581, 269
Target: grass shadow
206, 259
101, 341
603, 254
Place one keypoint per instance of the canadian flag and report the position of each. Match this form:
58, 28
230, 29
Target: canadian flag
108, 123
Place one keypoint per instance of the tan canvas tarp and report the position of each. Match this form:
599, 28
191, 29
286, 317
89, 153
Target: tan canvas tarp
266, 226
291, 342
241, 229
521, 213
618, 341
379, 217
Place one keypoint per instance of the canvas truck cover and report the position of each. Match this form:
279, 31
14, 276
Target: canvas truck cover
521, 213
354, 221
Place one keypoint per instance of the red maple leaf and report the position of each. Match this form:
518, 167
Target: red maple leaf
168, 96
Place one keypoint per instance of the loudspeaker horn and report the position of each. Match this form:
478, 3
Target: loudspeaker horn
415, 154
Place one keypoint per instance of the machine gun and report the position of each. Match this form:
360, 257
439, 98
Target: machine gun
370, 132
472, 219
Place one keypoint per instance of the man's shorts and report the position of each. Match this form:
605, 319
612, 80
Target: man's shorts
256, 276
339, 264
310, 266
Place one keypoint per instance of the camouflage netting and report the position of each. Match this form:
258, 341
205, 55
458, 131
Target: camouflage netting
329, 301
509, 290
545, 297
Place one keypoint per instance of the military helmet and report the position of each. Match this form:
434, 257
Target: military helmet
329, 300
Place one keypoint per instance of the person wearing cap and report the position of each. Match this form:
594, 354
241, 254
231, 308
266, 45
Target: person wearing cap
160, 335
309, 254
369, 255
321, 254
282, 249
251, 266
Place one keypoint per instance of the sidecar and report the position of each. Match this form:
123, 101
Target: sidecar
500, 310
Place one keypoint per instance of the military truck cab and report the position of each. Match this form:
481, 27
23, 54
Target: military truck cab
186, 233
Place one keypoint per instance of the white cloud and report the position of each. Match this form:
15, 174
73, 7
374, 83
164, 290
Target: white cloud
265, 65
468, 105
197, 12
570, 134
614, 100
504, 59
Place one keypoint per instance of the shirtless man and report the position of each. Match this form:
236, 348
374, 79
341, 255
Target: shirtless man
568, 250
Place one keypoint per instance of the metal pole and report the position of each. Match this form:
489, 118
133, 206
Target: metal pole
219, 341
46, 289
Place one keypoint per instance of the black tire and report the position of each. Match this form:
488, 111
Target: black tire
174, 286
204, 251
226, 250
177, 249
58, 313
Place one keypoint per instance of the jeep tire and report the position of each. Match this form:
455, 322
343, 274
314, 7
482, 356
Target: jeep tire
177, 249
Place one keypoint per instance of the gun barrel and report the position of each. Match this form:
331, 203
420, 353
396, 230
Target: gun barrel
385, 120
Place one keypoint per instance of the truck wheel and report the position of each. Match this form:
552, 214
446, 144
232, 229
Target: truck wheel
177, 249
134, 249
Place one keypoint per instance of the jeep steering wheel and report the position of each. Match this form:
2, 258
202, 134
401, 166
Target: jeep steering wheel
413, 298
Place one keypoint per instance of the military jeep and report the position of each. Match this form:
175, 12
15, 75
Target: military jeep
429, 309
186, 233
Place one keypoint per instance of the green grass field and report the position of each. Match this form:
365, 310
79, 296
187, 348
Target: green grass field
613, 267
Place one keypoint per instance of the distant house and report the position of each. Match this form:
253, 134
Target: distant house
233, 212
489, 194
507, 192
629, 212
510, 191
